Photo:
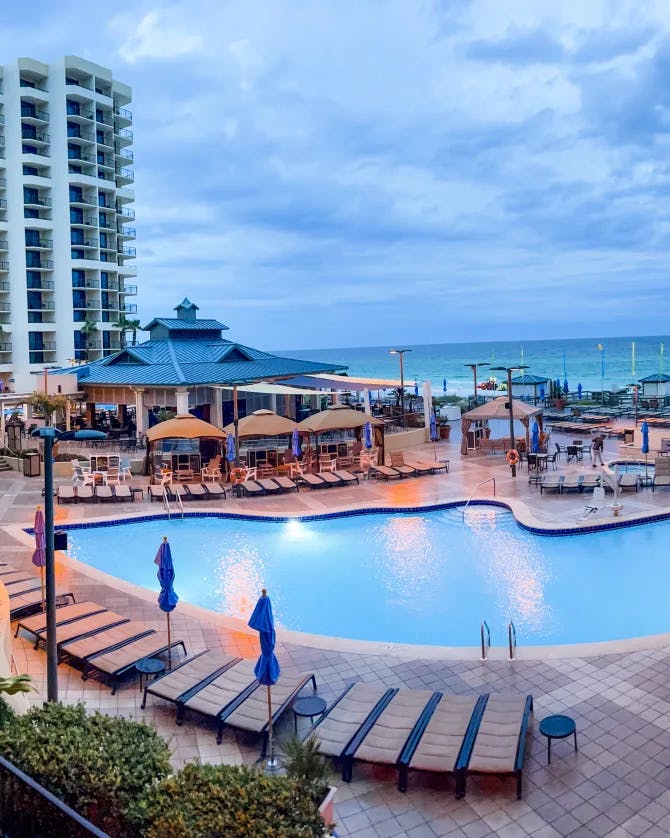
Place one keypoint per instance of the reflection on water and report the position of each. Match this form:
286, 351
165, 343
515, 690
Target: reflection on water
238, 579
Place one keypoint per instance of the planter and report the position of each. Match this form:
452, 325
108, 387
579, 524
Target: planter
327, 807
559, 404
445, 431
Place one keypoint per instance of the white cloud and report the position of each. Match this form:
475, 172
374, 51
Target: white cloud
156, 36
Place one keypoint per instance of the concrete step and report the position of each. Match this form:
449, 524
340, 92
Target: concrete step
4, 465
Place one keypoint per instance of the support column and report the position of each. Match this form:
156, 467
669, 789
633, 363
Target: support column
216, 407
182, 402
427, 407
68, 410
366, 402
90, 414
140, 413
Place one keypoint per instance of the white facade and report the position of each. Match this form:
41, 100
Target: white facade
65, 152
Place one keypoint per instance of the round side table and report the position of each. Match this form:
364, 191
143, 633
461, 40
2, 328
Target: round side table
307, 708
557, 727
148, 667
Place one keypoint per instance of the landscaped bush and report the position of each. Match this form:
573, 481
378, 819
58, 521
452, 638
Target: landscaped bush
235, 801
99, 765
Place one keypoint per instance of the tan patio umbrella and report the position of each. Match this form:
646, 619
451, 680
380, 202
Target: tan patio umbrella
339, 417
262, 423
184, 426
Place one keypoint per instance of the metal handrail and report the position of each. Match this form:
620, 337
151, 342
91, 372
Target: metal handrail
511, 639
180, 503
486, 642
166, 501
475, 489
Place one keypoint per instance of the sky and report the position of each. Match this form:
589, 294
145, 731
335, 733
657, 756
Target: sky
320, 173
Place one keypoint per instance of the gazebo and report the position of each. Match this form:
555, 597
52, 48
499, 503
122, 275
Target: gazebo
657, 384
499, 409
339, 417
184, 427
525, 386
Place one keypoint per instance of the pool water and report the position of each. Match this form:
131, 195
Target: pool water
634, 467
424, 578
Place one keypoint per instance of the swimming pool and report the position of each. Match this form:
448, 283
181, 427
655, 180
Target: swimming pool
634, 466
426, 578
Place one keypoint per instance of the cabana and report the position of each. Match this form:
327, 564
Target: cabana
185, 426
339, 417
262, 423
499, 409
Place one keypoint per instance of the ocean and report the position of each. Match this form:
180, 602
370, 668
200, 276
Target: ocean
621, 361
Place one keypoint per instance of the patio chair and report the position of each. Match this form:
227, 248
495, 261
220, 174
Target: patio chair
123, 493
499, 744
397, 461
421, 467
124, 469
113, 476
628, 481
82, 477
66, 494
189, 676
346, 477
552, 483
286, 484
195, 491
26, 602
574, 452
269, 486
384, 472
572, 483
86, 494
212, 471
38, 623
590, 482
214, 490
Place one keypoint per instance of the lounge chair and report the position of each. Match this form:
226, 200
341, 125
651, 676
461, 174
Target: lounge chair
384, 472
572, 483
330, 478
104, 494
438, 746
248, 487
213, 696
628, 481
66, 494
21, 584
215, 490
38, 623
346, 477
385, 740
9, 576
114, 663
156, 492
28, 601
314, 481
269, 486
352, 714
189, 676
661, 474
195, 491
250, 711
499, 745
397, 461
590, 482
123, 493
552, 483
112, 638
83, 627
286, 484
86, 494
421, 467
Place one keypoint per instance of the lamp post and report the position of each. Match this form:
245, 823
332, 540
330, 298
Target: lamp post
401, 353
509, 371
473, 367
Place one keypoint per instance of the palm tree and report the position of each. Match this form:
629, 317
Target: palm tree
88, 328
124, 325
134, 325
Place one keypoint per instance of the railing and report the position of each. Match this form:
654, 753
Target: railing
129, 289
511, 639
180, 503
5, 347
126, 251
38, 136
130, 308
485, 634
40, 201
126, 212
166, 501
475, 489
125, 153
125, 174
47, 244
123, 113
130, 232
30, 113
27, 808
124, 133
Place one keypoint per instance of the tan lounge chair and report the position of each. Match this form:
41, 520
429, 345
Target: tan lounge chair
286, 484
628, 480
123, 493
195, 491
384, 472
28, 601
249, 487
66, 494
269, 486
314, 481
347, 477
84, 627
421, 467
104, 494
499, 744
86, 494
82, 649
190, 676
215, 490
38, 623
397, 461
214, 696
156, 492
13, 577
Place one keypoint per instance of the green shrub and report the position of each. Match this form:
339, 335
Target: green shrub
99, 765
304, 762
231, 801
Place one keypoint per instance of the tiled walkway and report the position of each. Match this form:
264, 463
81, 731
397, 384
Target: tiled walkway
618, 784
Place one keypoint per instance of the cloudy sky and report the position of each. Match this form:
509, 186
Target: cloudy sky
328, 173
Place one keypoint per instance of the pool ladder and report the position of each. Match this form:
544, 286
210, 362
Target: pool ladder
485, 637
166, 501
488, 479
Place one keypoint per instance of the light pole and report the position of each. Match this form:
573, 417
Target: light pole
509, 371
473, 367
401, 353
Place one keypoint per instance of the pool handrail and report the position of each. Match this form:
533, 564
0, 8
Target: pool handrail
180, 503
511, 639
166, 501
486, 641
488, 479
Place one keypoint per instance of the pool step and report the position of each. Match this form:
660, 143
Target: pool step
4, 465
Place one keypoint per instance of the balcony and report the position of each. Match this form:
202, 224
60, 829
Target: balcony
81, 157
122, 116
124, 177
4, 286
85, 258
40, 244
127, 270
94, 344
129, 308
80, 115
125, 212
125, 154
45, 285
3, 204
86, 221
4, 268
127, 251
83, 243
88, 305
40, 137
125, 196
3, 183
5, 347
128, 290
126, 232
85, 199
33, 84
4, 308
45, 305
105, 174
3, 245
34, 116
36, 201
29, 149
42, 265
76, 133
85, 283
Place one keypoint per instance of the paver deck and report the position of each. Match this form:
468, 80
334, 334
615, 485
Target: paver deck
618, 784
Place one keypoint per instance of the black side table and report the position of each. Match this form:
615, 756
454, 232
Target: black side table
557, 727
148, 667
307, 708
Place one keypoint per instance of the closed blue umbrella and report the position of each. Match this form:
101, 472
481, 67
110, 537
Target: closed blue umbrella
230, 448
367, 435
167, 598
566, 389
434, 436
579, 391
416, 388
535, 441
295, 443
40, 554
644, 427
444, 385
542, 391
267, 667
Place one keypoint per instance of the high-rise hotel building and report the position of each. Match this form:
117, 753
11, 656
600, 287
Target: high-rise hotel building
66, 247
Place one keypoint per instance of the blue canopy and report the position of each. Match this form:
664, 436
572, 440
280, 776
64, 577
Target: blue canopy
230, 448
434, 436
267, 667
367, 435
296, 450
84, 433
644, 427
167, 598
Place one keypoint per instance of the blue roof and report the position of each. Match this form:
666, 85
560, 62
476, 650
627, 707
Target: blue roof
529, 379
187, 325
655, 378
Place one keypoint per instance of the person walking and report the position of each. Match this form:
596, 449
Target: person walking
597, 448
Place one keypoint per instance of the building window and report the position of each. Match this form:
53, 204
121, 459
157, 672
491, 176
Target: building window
73, 130
34, 316
34, 299
27, 108
76, 193
103, 239
105, 317
33, 259
79, 316
35, 340
79, 299
76, 215
79, 339
99, 115
30, 170
32, 238
104, 279
102, 219
73, 152
30, 213
106, 342
33, 279
28, 149
30, 195
73, 108
100, 136
103, 257
76, 236
102, 200
76, 253
78, 278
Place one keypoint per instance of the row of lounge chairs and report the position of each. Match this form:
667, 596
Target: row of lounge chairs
94, 494
562, 484
24, 590
99, 641
186, 491
410, 729
402, 467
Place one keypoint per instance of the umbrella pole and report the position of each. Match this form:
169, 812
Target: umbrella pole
272, 764
44, 602
169, 642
